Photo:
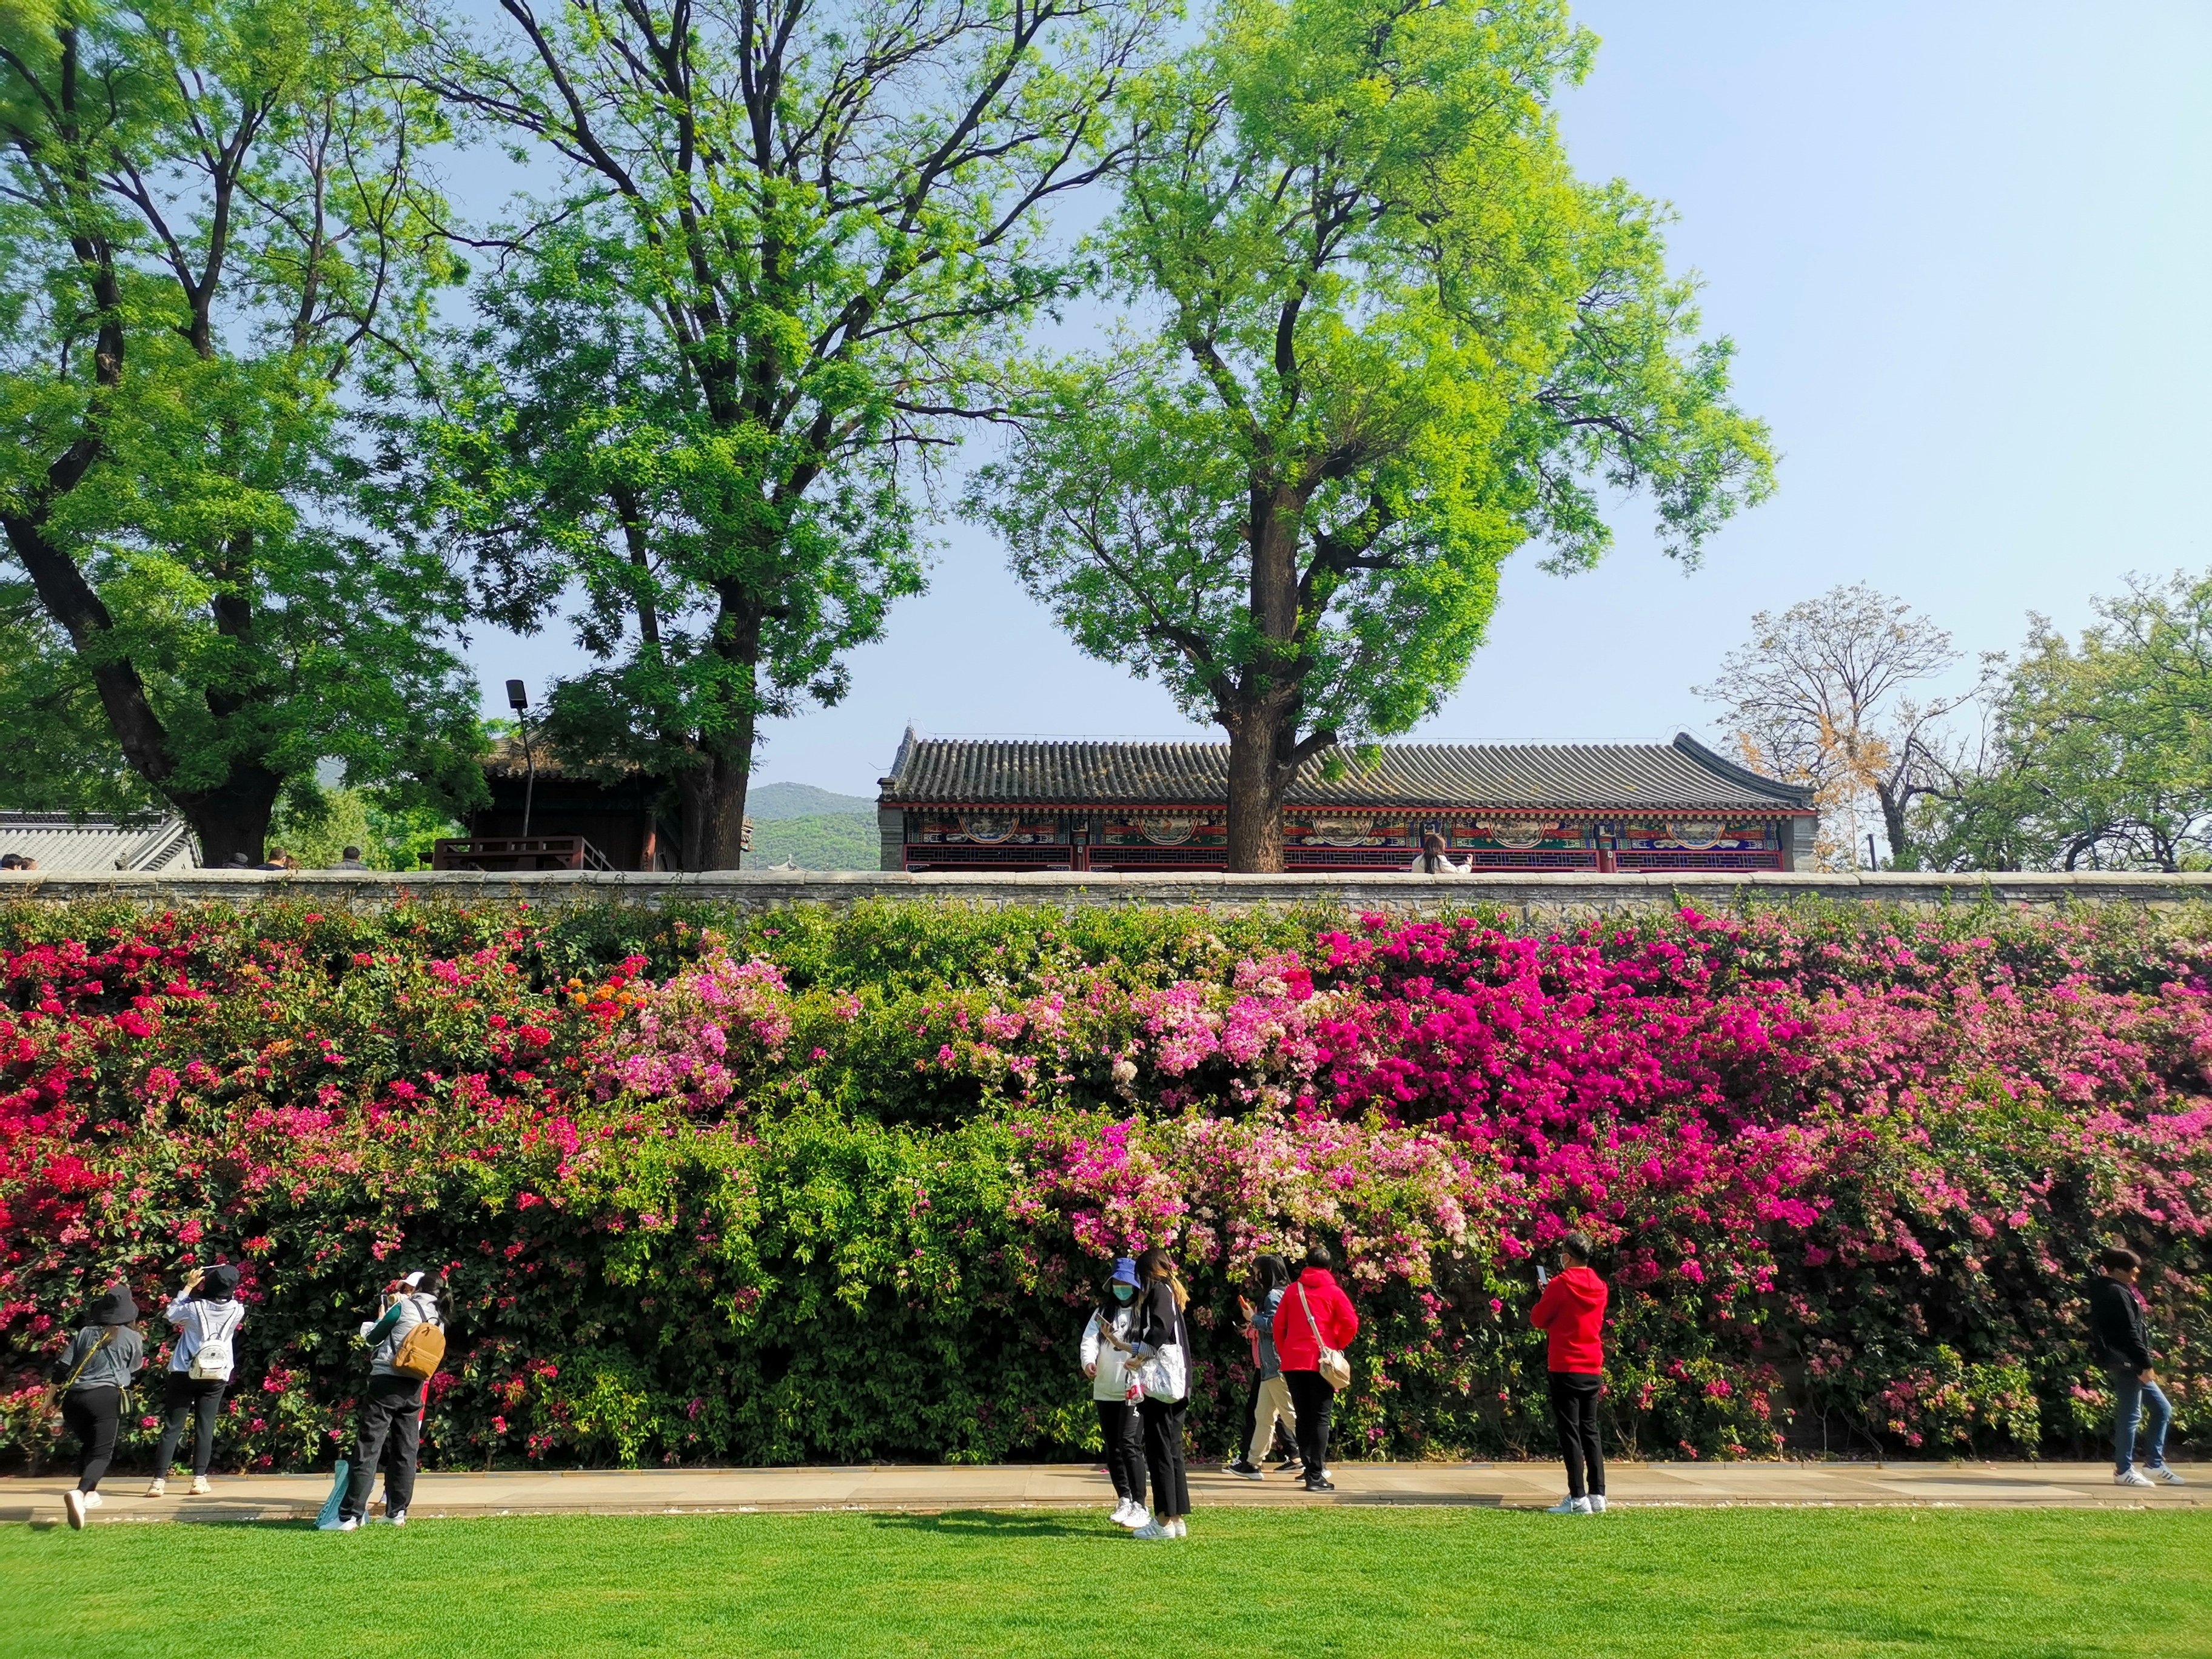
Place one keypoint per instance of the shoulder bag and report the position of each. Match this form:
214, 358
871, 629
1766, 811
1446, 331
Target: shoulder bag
1335, 1370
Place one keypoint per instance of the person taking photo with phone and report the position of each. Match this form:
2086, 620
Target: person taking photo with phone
207, 1314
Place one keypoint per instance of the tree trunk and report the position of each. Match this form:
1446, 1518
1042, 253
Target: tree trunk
713, 797
231, 819
1893, 805
712, 792
1256, 784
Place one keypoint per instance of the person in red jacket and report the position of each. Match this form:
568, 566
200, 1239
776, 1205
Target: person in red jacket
1312, 1314
1572, 1314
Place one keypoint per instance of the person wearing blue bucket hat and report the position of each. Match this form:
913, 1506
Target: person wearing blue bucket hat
1105, 1355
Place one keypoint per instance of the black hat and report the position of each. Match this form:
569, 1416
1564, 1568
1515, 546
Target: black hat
115, 1307
218, 1282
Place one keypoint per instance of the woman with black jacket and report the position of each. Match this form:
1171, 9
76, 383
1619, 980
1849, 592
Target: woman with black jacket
1160, 1328
93, 1370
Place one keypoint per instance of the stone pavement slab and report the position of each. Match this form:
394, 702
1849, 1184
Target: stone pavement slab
917, 1487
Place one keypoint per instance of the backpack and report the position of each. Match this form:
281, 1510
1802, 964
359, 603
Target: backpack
212, 1360
422, 1350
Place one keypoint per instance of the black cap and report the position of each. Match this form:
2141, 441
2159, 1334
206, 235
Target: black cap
218, 1282
115, 1307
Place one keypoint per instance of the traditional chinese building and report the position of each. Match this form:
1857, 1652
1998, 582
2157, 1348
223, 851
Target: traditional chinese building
972, 804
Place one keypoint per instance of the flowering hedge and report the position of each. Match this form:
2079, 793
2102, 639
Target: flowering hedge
814, 1186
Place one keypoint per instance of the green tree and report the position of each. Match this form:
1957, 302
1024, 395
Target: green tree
789, 235
2098, 755
1397, 338
209, 219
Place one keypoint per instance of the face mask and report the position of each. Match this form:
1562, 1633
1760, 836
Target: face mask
1123, 1292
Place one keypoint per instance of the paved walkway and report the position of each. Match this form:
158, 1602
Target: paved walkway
1074, 1485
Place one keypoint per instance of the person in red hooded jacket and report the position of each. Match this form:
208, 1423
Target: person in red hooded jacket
1572, 1314
1312, 1313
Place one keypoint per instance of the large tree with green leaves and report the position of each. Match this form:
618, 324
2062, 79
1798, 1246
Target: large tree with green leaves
2099, 752
1384, 337
791, 234
211, 219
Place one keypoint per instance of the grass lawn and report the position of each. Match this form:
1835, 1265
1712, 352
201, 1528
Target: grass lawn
1706, 1582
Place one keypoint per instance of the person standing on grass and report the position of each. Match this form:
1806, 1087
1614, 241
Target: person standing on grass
392, 1407
1315, 1313
94, 1371
1106, 1336
1162, 1349
1571, 1314
1271, 1396
207, 1316
2120, 1333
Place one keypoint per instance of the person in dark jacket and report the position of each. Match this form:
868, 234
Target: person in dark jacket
93, 1370
2120, 1335
1571, 1314
1160, 1324
1314, 1313
391, 1409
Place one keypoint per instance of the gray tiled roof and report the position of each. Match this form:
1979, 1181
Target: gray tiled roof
1618, 777
59, 842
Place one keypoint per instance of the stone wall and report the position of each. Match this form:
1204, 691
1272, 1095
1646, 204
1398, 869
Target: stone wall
1533, 896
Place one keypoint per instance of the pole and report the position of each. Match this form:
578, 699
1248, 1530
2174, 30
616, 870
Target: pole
1872, 863
529, 776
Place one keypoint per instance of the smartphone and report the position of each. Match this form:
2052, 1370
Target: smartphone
1543, 1276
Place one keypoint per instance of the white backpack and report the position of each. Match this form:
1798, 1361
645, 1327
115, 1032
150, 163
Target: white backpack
212, 1360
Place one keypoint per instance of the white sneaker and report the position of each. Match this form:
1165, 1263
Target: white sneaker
1597, 1503
398, 1517
73, 1506
1178, 1528
1131, 1514
2160, 1472
92, 1500
157, 1487
200, 1487
1570, 1506
349, 1525
2131, 1478
1151, 1530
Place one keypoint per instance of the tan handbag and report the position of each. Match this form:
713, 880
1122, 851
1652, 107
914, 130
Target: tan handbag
1335, 1370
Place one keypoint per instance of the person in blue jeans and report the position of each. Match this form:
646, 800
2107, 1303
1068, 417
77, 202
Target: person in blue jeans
2121, 1336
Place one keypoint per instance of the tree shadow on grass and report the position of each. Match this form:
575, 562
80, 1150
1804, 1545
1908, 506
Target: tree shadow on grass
994, 1523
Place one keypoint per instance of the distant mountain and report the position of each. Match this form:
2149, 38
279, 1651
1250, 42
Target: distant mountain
772, 801
820, 840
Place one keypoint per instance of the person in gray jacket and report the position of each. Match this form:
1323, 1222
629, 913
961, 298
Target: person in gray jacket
1270, 1395
393, 1406
93, 1370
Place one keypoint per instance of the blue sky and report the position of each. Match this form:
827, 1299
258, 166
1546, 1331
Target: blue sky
1962, 250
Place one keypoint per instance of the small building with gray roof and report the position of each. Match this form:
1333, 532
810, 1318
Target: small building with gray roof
978, 804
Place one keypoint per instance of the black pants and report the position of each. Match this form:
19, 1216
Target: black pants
1313, 1399
92, 1415
1122, 1426
1163, 1452
391, 1409
1574, 1412
183, 1396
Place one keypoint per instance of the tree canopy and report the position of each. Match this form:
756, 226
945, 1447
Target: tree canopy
1843, 693
788, 240
210, 220
1384, 337
2100, 752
